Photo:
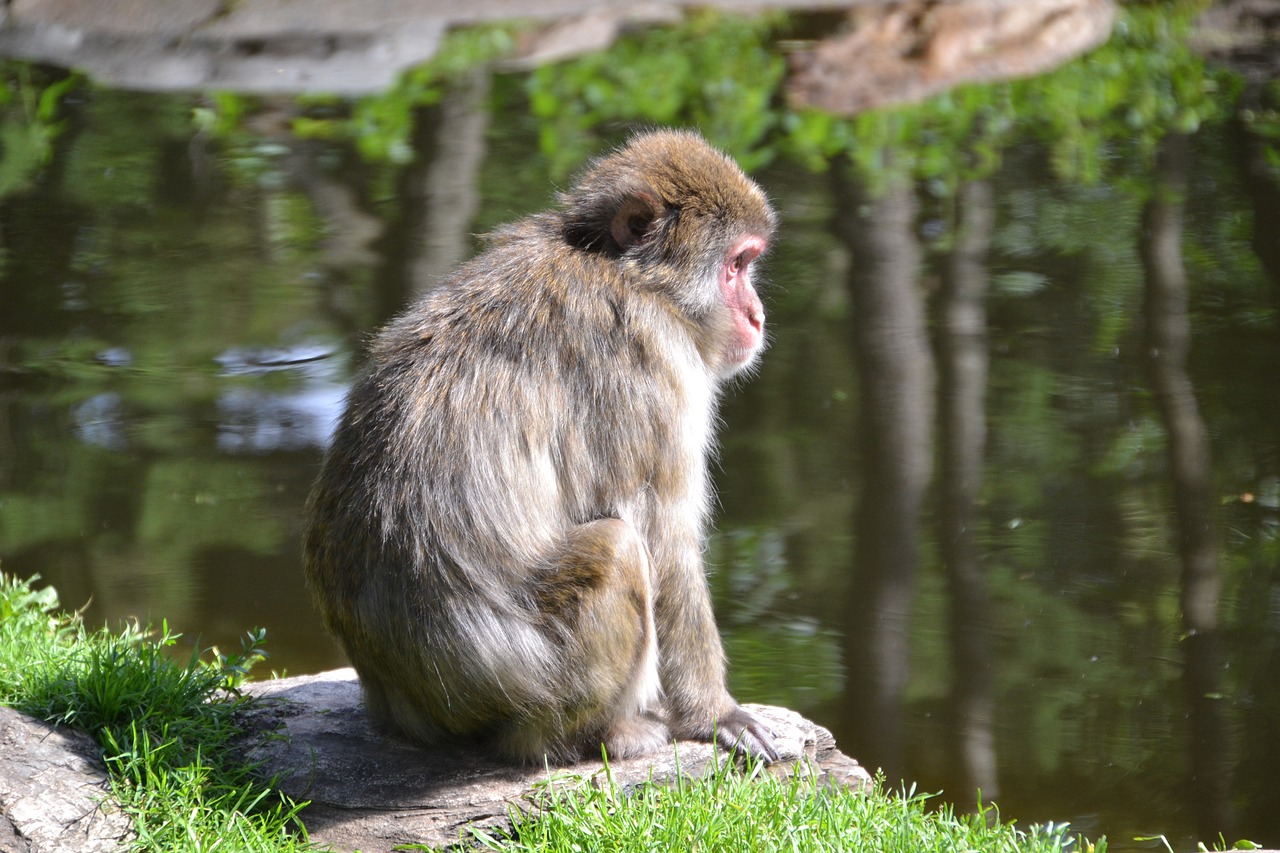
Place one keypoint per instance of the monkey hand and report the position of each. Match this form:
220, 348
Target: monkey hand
740, 731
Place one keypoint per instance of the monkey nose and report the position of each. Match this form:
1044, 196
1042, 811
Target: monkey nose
756, 318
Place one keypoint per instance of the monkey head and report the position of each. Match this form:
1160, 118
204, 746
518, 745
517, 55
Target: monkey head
686, 222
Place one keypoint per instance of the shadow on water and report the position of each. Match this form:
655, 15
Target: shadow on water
1002, 508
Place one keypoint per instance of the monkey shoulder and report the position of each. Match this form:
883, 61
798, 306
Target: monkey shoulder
531, 312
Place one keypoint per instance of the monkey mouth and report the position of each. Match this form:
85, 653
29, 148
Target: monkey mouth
741, 358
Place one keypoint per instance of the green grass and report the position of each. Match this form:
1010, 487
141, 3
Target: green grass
756, 811
165, 726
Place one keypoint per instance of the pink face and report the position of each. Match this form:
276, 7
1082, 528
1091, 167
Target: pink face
744, 305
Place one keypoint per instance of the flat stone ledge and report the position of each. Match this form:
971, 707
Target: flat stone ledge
372, 793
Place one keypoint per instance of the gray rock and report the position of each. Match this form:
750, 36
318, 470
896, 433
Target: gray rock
54, 792
171, 45
367, 791
371, 792
897, 49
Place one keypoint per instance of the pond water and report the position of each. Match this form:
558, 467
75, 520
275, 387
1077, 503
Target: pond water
950, 527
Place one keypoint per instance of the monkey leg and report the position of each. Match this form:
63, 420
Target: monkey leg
595, 602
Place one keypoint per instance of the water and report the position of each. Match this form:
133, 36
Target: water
182, 313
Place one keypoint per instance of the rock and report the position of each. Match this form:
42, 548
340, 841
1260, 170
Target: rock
898, 50
593, 30
54, 791
1243, 34
253, 46
367, 791
906, 50
344, 47
372, 793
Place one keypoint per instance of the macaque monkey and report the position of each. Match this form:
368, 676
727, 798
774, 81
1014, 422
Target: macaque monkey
507, 533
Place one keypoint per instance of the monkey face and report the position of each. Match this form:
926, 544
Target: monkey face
746, 312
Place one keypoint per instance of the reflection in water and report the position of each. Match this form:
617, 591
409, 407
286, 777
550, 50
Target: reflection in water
257, 420
100, 421
1262, 186
179, 317
1260, 628
450, 185
962, 427
1168, 338
895, 435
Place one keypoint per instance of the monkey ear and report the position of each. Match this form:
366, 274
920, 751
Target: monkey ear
633, 220
612, 218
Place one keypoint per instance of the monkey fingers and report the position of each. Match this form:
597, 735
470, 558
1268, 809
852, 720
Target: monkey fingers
740, 731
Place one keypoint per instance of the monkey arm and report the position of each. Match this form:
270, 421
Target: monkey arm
691, 657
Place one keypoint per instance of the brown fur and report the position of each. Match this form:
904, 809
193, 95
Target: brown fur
506, 535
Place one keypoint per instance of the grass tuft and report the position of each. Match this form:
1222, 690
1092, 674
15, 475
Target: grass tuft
166, 726
754, 810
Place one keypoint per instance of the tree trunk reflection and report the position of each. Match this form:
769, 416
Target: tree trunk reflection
895, 423
1263, 192
962, 374
438, 194
451, 185
1167, 339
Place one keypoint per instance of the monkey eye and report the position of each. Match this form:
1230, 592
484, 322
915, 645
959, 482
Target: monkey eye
747, 250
